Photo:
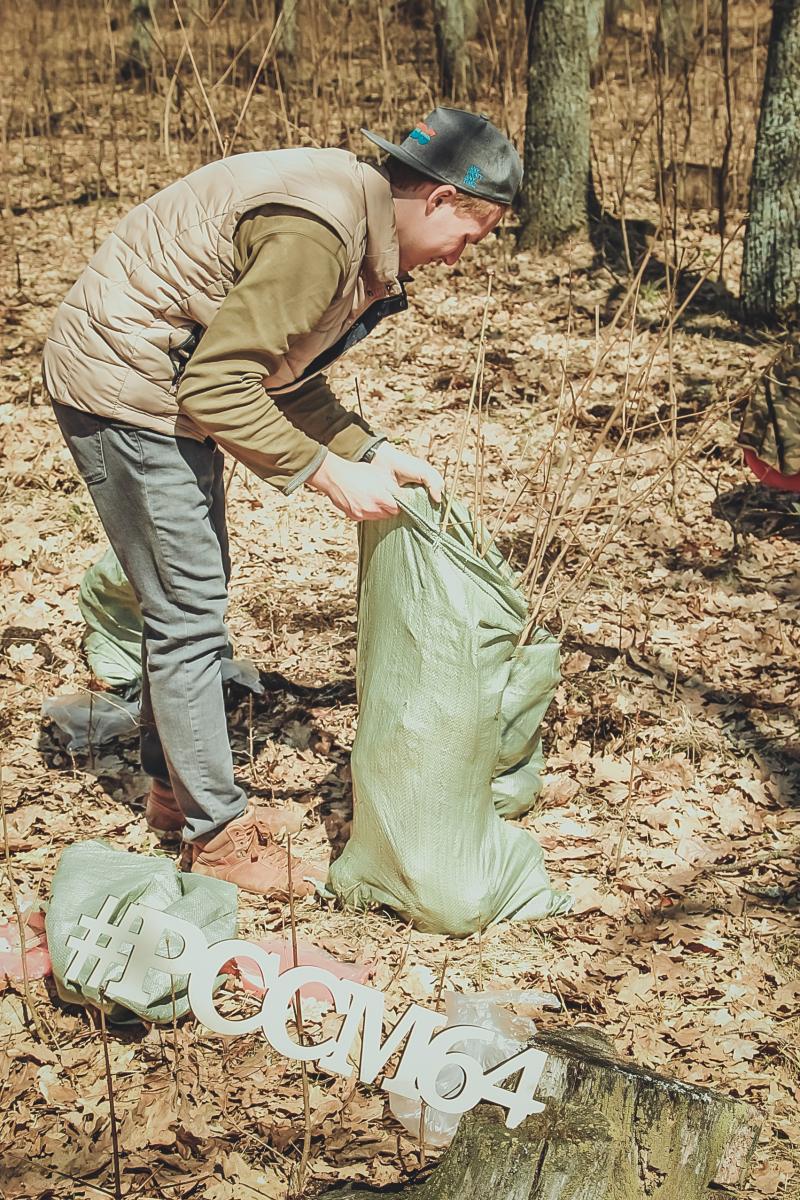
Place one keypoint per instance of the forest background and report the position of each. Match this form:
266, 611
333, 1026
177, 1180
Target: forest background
613, 374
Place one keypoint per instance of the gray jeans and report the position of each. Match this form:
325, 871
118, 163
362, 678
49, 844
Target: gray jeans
162, 504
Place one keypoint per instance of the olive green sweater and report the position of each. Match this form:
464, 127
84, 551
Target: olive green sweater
288, 267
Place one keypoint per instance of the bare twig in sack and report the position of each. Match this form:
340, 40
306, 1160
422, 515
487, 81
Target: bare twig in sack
625, 509
543, 538
544, 534
566, 494
546, 516
468, 417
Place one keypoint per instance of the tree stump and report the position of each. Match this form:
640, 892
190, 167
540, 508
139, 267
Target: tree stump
609, 1131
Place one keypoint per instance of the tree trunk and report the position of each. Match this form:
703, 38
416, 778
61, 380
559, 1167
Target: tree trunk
557, 178
288, 34
771, 266
454, 23
137, 63
595, 28
609, 1131
675, 34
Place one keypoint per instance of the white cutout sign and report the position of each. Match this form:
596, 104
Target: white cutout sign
146, 939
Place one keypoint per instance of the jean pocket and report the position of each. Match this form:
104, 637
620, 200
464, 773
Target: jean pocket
87, 450
82, 432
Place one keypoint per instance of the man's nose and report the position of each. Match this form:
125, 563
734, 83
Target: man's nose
452, 259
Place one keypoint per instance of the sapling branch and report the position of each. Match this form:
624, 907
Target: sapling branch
302, 1166
111, 1108
468, 418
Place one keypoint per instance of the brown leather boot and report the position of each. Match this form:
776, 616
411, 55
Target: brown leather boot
243, 853
161, 809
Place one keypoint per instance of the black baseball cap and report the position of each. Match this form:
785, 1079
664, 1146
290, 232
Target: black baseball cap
461, 148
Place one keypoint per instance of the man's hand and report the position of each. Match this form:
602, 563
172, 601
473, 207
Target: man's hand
362, 491
407, 469
367, 491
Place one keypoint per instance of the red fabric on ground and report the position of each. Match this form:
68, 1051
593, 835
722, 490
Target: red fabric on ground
37, 960
307, 956
769, 476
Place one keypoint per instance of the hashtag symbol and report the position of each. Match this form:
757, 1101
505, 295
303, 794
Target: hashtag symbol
108, 942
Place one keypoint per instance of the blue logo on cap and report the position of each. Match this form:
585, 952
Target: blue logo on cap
473, 176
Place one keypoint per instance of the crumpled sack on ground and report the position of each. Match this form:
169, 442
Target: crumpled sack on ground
448, 732
87, 874
91, 719
113, 637
486, 1009
87, 719
113, 645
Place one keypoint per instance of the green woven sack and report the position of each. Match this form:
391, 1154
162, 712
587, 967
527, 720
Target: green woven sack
448, 734
87, 874
113, 638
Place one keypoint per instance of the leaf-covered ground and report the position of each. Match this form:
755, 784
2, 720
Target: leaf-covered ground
671, 803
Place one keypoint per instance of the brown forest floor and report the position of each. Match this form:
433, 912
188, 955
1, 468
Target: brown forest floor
682, 652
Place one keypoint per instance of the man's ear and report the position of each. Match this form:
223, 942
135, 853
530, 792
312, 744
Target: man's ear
441, 194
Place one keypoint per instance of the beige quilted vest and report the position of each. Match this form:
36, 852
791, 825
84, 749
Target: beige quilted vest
169, 264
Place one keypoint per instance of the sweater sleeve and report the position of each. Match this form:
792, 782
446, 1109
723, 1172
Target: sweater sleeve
313, 408
289, 270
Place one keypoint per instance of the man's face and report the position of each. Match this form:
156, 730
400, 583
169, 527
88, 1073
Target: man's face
432, 229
